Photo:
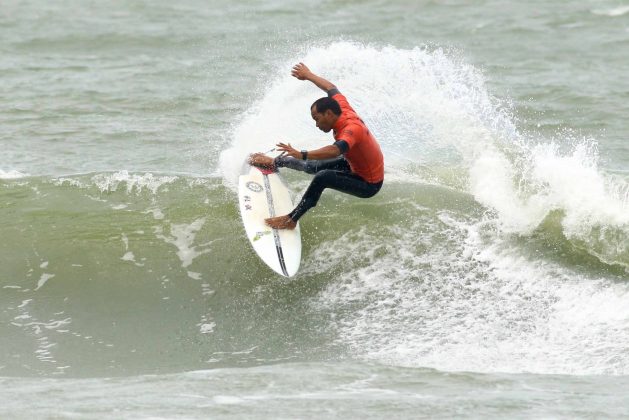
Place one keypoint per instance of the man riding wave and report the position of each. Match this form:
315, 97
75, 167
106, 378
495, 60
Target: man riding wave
353, 164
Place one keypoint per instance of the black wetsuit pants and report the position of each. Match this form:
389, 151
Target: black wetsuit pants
332, 173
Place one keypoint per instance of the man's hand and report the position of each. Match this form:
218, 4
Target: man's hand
289, 150
301, 72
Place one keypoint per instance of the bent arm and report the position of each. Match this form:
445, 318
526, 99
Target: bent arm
301, 72
326, 152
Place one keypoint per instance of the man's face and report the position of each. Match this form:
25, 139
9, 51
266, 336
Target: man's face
324, 120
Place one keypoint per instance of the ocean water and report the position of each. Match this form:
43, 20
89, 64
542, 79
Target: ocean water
488, 278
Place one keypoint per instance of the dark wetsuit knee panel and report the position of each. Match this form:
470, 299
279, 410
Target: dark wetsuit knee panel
345, 182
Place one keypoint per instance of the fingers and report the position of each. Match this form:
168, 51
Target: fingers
288, 149
299, 71
284, 147
296, 72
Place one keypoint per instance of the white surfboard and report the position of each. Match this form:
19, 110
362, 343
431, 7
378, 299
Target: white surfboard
262, 194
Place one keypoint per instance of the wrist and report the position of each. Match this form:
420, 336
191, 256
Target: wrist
304, 155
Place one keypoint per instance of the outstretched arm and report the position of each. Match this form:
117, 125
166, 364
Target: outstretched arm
301, 72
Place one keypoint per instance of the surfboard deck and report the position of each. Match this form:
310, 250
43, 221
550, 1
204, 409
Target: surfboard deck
263, 194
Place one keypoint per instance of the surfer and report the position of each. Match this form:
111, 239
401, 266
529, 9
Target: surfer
353, 164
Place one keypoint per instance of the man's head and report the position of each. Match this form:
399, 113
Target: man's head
325, 111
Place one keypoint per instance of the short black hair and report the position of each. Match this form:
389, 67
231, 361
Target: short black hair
325, 103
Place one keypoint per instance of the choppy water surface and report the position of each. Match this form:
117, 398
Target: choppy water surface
488, 278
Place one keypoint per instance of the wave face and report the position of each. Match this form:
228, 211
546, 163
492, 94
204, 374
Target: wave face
507, 270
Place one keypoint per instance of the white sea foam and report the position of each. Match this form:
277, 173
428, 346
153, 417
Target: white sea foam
156, 212
440, 294
207, 328
615, 12
43, 279
68, 181
194, 275
132, 182
12, 174
182, 236
594, 205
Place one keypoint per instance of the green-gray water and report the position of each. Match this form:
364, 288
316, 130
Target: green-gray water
488, 278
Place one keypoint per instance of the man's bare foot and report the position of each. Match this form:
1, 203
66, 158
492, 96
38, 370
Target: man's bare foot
261, 160
281, 222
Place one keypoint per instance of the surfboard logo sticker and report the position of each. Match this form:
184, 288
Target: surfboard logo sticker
254, 186
259, 235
